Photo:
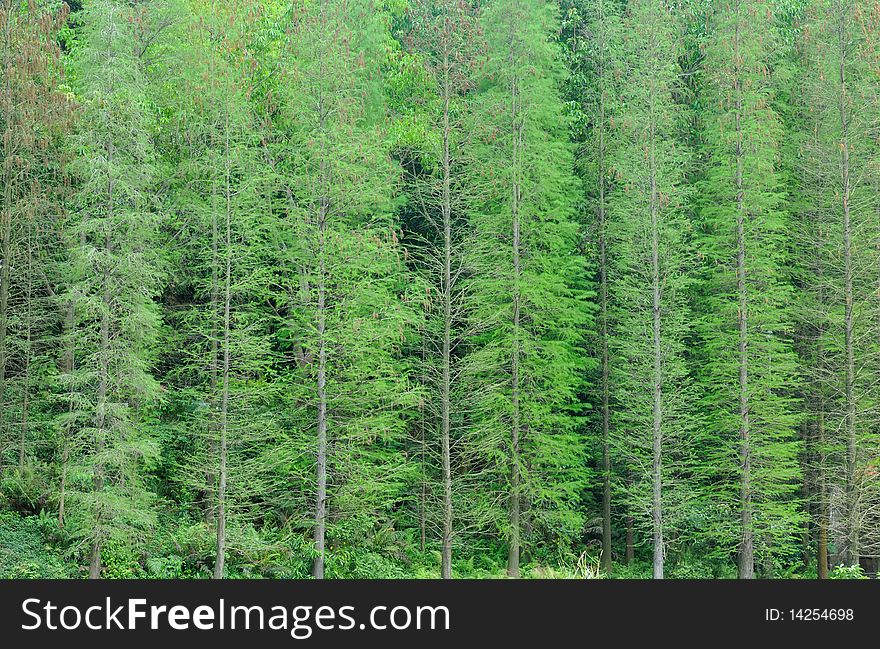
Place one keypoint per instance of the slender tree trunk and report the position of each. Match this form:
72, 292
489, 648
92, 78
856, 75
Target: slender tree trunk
808, 487
423, 453
822, 514
6, 212
516, 424
603, 314
320, 531
657, 432
28, 342
211, 477
211, 485
851, 551
220, 560
445, 385
68, 367
630, 555
321, 499
101, 422
104, 349
746, 561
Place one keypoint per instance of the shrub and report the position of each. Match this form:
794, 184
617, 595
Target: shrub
25, 552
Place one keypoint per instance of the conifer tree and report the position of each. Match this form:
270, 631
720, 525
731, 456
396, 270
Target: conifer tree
34, 116
748, 368
650, 278
594, 58
529, 281
445, 34
342, 272
113, 280
221, 351
840, 171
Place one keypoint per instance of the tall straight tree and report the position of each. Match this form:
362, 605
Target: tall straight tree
750, 373
594, 58
529, 280
33, 116
444, 33
649, 277
840, 165
113, 278
220, 347
345, 317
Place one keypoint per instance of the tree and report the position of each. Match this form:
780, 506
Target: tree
220, 355
345, 320
749, 370
650, 279
594, 59
34, 117
445, 34
113, 279
528, 286
839, 165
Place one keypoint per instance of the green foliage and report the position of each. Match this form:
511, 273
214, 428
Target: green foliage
650, 275
741, 186
112, 279
847, 572
529, 290
26, 551
444, 259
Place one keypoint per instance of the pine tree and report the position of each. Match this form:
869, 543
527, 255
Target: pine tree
342, 272
594, 58
839, 167
748, 367
528, 283
34, 116
650, 279
220, 352
445, 35
112, 281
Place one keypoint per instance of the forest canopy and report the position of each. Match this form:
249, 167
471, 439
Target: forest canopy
440, 288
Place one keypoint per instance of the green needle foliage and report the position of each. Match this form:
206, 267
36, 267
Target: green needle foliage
749, 371
650, 274
113, 278
440, 288
345, 318
529, 284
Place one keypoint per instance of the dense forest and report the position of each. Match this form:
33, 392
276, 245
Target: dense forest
440, 288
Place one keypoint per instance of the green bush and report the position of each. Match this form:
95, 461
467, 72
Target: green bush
25, 489
120, 561
847, 572
25, 551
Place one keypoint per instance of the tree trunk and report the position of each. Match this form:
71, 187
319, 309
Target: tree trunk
220, 559
320, 531
6, 213
746, 559
657, 432
515, 428
104, 351
603, 315
321, 496
423, 453
28, 342
67, 368
101, 421
630, 555
808, 487
851, 551
445, 385
822, 549
210, 476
